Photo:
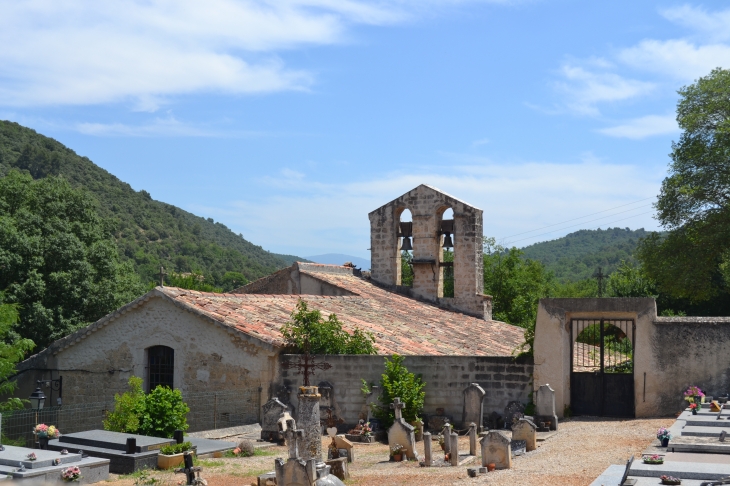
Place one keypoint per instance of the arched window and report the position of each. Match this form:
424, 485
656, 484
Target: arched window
446, 242
160, 367
405, 249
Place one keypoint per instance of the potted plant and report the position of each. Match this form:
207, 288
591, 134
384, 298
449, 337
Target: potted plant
653, 459
366, 433
44, 433
670, 479
71, 474
396, 452
664, 436
173, 455
693, 408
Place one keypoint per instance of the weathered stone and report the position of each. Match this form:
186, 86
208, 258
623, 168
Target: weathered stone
295, 472
514, 411
427, 455
308, 422
339, 468
343, 443
401, 432
437, 422
271, 413
454, 449
527, 431
545, 406
372, 399
472, 439
473, 406
496, 450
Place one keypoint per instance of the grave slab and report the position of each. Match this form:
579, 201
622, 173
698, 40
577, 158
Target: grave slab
701, 431
43, 471
684, 470
112, 440
708, 420
709, 445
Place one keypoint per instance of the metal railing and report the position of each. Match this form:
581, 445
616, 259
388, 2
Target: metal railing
208, 410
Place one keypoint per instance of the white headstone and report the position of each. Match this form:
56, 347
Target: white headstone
545, 406
401, 432
496, 449
473, 410
527, 431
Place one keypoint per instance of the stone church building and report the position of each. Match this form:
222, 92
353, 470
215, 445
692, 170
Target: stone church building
208, 342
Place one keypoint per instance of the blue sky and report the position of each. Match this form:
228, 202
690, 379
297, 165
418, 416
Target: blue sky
290, 120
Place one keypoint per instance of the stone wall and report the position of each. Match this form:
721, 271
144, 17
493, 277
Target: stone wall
208, 356
290, 281
427, 206
446, 377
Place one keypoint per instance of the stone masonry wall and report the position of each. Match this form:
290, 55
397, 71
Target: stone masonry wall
427, 206
446, 377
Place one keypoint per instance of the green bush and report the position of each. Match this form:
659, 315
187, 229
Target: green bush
397, 381
158, 414
171, 450
164, 413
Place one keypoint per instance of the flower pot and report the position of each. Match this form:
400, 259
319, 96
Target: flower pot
43, 442
491, 467
167, 462
665, 442
368, 439
694, 411
397, 457
447, 457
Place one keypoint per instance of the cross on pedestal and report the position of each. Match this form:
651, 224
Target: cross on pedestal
162, 276
305, 365
397, 406
599, 275
293, 438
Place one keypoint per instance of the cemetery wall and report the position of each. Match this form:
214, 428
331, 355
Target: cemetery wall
688, 351
504, 379
208, 357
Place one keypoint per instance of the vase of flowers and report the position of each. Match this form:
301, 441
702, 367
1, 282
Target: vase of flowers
653, 459
693, 408
71, 474
694, 394
366, 433
31, 456
44, 433
396, 452
663, 435
666, 479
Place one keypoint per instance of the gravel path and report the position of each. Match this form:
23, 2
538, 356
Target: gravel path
578, 454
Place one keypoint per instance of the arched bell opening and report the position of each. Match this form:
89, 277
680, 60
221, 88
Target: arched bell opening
404, 253
447, 253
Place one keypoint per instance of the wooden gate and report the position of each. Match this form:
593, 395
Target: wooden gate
602, 367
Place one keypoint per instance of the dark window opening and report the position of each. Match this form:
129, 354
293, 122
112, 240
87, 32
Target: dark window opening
161, 366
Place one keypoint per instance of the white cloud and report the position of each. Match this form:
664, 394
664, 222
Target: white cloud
714, 26
77, 52
645, 126
515, 198
586, 89
159, 127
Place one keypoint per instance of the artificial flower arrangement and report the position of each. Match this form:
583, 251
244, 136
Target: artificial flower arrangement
70, 474
43, 430
663, 433
693, 408
366, 430
670, 479
397, 449
31, 456
653, 459
694, 394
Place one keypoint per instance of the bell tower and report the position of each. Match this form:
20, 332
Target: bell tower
453, 278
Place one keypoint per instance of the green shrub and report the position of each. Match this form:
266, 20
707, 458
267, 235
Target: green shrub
128, 408
164, 413
397, 381
171, 450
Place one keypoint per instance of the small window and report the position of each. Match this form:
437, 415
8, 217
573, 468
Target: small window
160, 366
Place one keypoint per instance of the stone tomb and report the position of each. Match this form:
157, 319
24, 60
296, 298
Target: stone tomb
271, 413
473, 411
47, 468
514, 411
496, 450
527, 431
113, 446
401, 432
545, 406
296, 471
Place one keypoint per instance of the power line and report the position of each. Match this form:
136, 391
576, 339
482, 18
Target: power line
609, 223
574, 219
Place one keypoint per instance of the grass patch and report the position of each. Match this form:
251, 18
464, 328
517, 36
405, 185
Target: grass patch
208, 463
263, 452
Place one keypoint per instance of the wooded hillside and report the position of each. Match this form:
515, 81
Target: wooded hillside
149, 233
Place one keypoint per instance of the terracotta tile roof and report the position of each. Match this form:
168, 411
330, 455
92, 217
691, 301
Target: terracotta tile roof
401, 325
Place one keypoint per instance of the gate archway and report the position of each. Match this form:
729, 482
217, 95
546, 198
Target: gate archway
602, 367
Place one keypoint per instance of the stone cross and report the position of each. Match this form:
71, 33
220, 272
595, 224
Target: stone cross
397, 405
293, 438
162, 276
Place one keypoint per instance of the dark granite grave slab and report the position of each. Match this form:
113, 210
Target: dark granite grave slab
112, 440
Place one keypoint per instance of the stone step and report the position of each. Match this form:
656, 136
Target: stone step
710, 445
707, 420
703, 431
682, 470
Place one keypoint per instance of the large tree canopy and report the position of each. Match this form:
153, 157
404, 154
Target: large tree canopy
58, 260
694, 203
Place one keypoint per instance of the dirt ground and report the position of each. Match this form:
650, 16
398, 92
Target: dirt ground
580, 452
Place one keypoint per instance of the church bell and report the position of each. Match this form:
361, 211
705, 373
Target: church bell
447, 241
406, 244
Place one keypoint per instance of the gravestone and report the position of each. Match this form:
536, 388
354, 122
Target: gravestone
545, 406
527, 431
437, 422
343, 443
496, 450
514, 411
472, 439
309, 423
518, 447
294, 471
271, 412
473, 410
495, 421
427, 455
401, 432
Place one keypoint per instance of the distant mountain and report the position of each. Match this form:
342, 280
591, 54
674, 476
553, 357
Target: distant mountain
577, 255
290, 259
339, 259
149, 233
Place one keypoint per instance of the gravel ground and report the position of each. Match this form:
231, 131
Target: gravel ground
578, 454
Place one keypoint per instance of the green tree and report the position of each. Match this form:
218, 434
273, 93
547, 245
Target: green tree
406, 269
397, 381
694, 202
324, 336
164, 413
516, 285
630, 281
128, 408
13, 349
58, 259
